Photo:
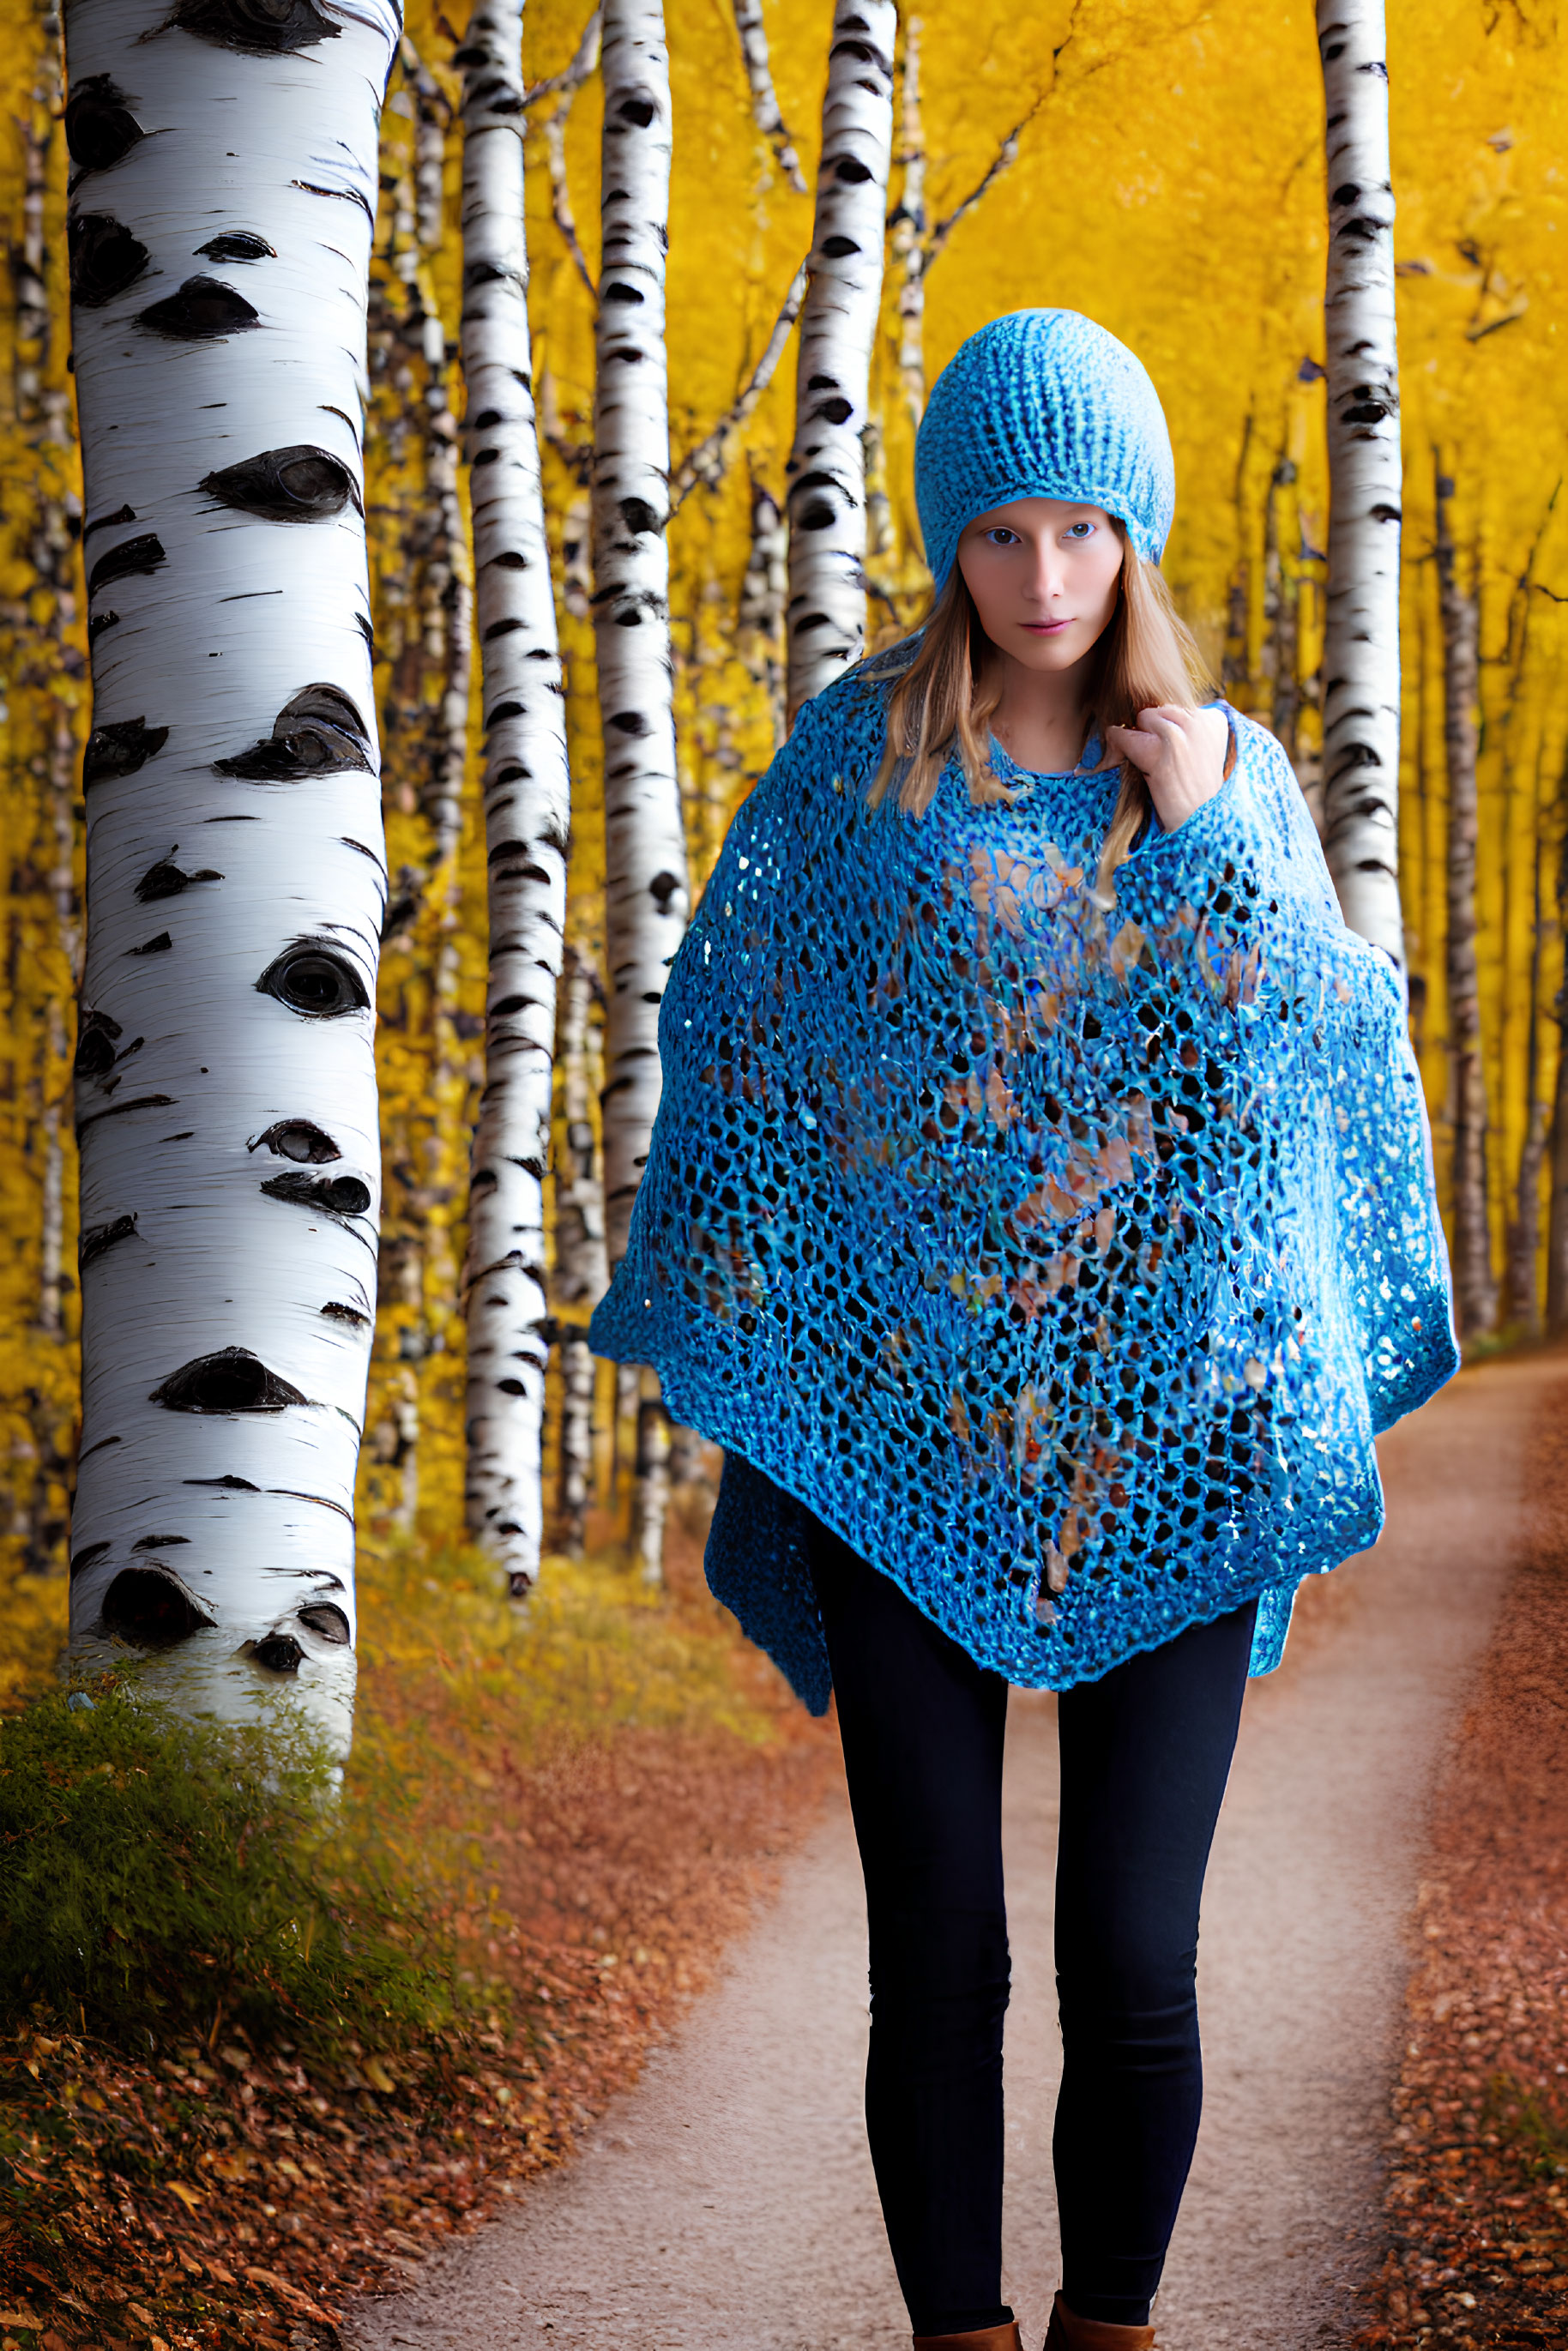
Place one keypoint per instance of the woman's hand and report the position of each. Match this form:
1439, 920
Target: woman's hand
1181, 754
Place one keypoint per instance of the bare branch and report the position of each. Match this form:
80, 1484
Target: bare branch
1002, 161
416, 72
765, 108
708, 461
560, 194
570, 79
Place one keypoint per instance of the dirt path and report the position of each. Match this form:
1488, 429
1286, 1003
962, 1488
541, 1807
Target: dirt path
729, 2200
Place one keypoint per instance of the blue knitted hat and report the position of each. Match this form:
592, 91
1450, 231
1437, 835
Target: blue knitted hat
1042, 404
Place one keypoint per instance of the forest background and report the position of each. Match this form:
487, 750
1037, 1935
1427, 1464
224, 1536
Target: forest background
1167, 176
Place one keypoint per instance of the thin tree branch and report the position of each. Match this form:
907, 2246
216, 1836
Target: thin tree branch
766, 111
708, 461
424, 80
560, 194
570, 79
1002, 161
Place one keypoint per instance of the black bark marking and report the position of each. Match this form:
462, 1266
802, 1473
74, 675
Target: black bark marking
298, 1139
162, 944
618, 294
97, 1238
152, 1609
335, 1312
837, 410
343, 195
90, 1553
280, 1653
324, 1618
202, 309
662, 889
359, 845
120, 1110
237, 245
299, 484
633, 723
839, 248
95, 1044
99, 126
229, 1484
158, 1542
637, 111
102, 1444
640, 517
319, 733
315, 981
99, 623
133, 559
335, 1196
256, 28
232, 1380
852, 171
165, 880
323, 1502
105, 258
107, 521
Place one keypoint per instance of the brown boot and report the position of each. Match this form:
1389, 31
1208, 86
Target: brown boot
1067, 2333
979, 2339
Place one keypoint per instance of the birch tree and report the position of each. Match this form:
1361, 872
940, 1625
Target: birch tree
766, 111
1475, 1289
581, 1272
1557, 1195
825, 618
1361, 644
235, 868
645, 891
645, 860
528, 813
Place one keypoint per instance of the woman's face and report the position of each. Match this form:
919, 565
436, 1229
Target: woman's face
1043, 576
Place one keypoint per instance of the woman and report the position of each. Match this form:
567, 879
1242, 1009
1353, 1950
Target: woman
1040, 1214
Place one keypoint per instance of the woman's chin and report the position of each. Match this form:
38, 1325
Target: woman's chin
1046, 654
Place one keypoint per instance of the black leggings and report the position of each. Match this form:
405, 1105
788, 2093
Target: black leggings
1144, 1755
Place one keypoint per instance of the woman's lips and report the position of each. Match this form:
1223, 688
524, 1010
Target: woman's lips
1045, 627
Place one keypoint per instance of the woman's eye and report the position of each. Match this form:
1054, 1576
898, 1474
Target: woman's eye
1080, 531
1002, 538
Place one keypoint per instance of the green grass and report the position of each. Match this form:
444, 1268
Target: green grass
160, 1876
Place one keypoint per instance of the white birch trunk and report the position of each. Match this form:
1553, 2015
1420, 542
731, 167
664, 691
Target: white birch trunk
1475, 1287
226, 1095
1361, 645
582, 1273
766, 111
826, 615
527, 814
908, 231
645, 842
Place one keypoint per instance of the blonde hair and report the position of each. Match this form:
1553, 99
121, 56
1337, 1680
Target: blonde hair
941, 706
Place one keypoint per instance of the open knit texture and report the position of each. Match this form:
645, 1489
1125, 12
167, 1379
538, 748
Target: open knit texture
1042, 404
1064, 1263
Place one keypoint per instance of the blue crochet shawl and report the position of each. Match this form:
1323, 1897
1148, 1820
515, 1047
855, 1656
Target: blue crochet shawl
1064, 1263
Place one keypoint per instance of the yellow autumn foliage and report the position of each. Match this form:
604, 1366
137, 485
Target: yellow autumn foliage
1168, 179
